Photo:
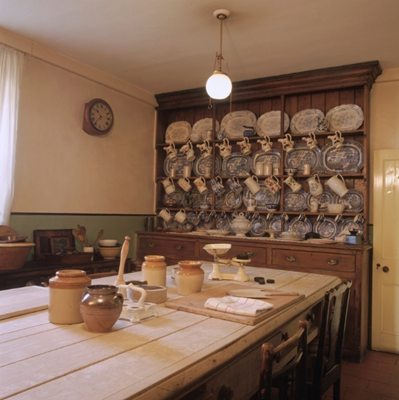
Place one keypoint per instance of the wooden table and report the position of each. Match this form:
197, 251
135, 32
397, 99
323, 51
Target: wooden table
177, 354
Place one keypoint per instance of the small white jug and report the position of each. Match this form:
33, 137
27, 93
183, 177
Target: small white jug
337, 185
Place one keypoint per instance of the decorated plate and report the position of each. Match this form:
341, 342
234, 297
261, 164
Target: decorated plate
196, 198
350, 224
327, 197
346, 117
232, 125
302, 155
173, 200
273, 156
270, 123
306, 121
177, 164
295, 201
327, 229
275, 224
198, 133
258, 227
237, 165
263, 197
192, 217
348, 158
223, 223
353, 200
302, 227
228, 200
200, 163
204, 225
178, 132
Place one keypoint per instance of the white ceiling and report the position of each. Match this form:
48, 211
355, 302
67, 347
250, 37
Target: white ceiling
169, 45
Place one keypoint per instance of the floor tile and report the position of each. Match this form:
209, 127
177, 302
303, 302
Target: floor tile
386, 358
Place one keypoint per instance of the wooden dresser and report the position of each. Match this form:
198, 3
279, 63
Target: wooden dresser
345, 261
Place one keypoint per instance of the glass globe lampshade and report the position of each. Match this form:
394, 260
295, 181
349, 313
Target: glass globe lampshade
218, 86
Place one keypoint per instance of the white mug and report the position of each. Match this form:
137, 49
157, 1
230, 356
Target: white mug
337, 185
251, 204
252, 183
170, 189
181, 216
315, 187
293, 184
266, 144
184, 183
259, 168
186, 171
167, 182
273, 184
200, 183
165, 214
268, 169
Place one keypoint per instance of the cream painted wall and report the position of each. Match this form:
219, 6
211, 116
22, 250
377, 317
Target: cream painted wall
60, 168
384, 121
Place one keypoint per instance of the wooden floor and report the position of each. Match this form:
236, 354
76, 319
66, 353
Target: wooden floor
377, 378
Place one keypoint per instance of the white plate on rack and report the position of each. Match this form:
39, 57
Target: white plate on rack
200, 163
201, 127
306, 121
178, 132
345, 117
270, 123
346, 159
177, 164
232, 124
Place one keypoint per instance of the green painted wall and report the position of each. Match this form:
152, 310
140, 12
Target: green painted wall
115, 227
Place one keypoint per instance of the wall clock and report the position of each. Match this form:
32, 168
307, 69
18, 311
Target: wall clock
98, 117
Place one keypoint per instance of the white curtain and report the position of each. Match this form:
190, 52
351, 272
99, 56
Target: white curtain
11, 62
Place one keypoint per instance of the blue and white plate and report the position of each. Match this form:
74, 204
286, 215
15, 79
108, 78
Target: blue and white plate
302, 227
237, 164
177, 198
275, 224
348, 158
258, 227
223, 224
273, 156
302, 155
350, 224
353, 200
327, 229
178, 132
196, 198
201, 127
200, 163
177, 164
306, 121
232, 125
173, 224
263, 197
345, 117
295, 201
228, 201
270, 123
323, 199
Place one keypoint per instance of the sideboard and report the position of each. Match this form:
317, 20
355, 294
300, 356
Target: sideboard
345, 261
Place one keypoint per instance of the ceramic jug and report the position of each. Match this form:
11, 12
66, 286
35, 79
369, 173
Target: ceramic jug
189, 277
101, 306
154, 270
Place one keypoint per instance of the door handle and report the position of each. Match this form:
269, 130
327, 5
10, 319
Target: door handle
291, 258
385, 269
332, 262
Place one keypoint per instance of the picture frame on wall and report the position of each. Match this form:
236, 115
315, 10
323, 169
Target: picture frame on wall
47, 241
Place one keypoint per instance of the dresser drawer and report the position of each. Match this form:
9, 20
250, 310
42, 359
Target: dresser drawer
178, 249
308, 259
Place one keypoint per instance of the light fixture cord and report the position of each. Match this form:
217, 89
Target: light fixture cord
221, 40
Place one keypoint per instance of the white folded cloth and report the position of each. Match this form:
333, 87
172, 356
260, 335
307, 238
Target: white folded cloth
238, 305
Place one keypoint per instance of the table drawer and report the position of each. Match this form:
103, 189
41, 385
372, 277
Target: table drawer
309, 259
176, 249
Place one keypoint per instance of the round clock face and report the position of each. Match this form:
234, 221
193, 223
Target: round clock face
101, 116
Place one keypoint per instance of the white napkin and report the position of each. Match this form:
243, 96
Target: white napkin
238, 305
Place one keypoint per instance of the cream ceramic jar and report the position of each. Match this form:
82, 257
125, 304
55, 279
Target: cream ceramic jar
154, 270
189, 277
66, 290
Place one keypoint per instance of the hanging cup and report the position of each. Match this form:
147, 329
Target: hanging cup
253, 185
337, 185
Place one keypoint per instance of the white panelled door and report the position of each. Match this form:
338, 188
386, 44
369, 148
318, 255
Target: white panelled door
385, 308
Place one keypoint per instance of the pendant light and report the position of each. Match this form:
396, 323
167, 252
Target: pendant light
218, 85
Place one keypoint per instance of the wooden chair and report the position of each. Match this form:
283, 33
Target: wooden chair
291, 379
324, 369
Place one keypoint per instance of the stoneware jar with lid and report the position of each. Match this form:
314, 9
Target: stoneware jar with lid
189, 277
65, 294
154, 270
